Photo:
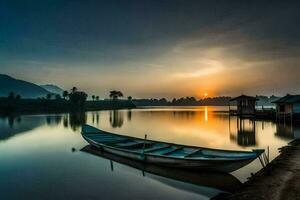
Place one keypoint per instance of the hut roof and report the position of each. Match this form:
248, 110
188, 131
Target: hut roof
288, 99
244, 97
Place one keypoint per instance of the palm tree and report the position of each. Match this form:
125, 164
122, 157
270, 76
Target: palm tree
65, 94
93, 97
74, 89
120, 94
112, 94
115, 94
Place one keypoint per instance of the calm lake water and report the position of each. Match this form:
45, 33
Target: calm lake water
42, 157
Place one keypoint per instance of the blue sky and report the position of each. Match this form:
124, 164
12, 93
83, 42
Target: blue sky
154, 48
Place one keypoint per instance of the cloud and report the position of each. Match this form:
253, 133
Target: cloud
215, 67
173, 48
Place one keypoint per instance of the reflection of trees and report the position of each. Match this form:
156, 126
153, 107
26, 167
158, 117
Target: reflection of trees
48, 120
66, 121
245, 131
57, 119
129, 115
11, 119
95, 118
19, 119
53, 120
116, 118
76, 120
184, 114
11, 125
177, 114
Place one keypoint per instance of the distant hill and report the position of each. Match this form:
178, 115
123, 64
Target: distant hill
53, 88
23, 88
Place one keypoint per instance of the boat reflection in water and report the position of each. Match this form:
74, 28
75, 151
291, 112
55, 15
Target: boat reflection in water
202, 182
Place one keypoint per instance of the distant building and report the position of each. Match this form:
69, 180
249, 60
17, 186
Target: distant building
245, 105
288, 106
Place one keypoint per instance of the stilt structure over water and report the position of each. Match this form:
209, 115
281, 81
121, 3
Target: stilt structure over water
245, 106
288, 108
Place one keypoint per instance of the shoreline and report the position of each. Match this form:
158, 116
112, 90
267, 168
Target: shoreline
279, 180
32, 106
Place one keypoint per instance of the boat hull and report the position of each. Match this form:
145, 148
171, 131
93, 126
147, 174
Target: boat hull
191, 164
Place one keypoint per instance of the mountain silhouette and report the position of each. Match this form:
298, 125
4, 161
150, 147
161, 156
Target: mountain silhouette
53, 88
23, 88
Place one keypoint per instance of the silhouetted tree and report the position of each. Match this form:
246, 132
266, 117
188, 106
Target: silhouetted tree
57, 97
74, 89
48, 96
115, 94
129, 98
97, 98
11, 95
65, 94
93, 97
18, 97
163, 101
78, 98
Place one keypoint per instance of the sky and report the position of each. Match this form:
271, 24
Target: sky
166, 48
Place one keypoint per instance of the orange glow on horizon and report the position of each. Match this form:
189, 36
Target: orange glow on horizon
204, 94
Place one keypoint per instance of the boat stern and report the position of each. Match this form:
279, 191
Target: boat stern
258, 152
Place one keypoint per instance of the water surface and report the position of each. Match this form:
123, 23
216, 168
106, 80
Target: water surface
41, 157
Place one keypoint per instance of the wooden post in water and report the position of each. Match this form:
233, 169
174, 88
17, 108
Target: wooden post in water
268, 154
229, 125
111, 165
144, 144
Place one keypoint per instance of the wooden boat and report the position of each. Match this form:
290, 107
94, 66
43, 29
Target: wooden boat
217, 180
168, 154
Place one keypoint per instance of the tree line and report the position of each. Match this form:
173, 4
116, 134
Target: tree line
183, 101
